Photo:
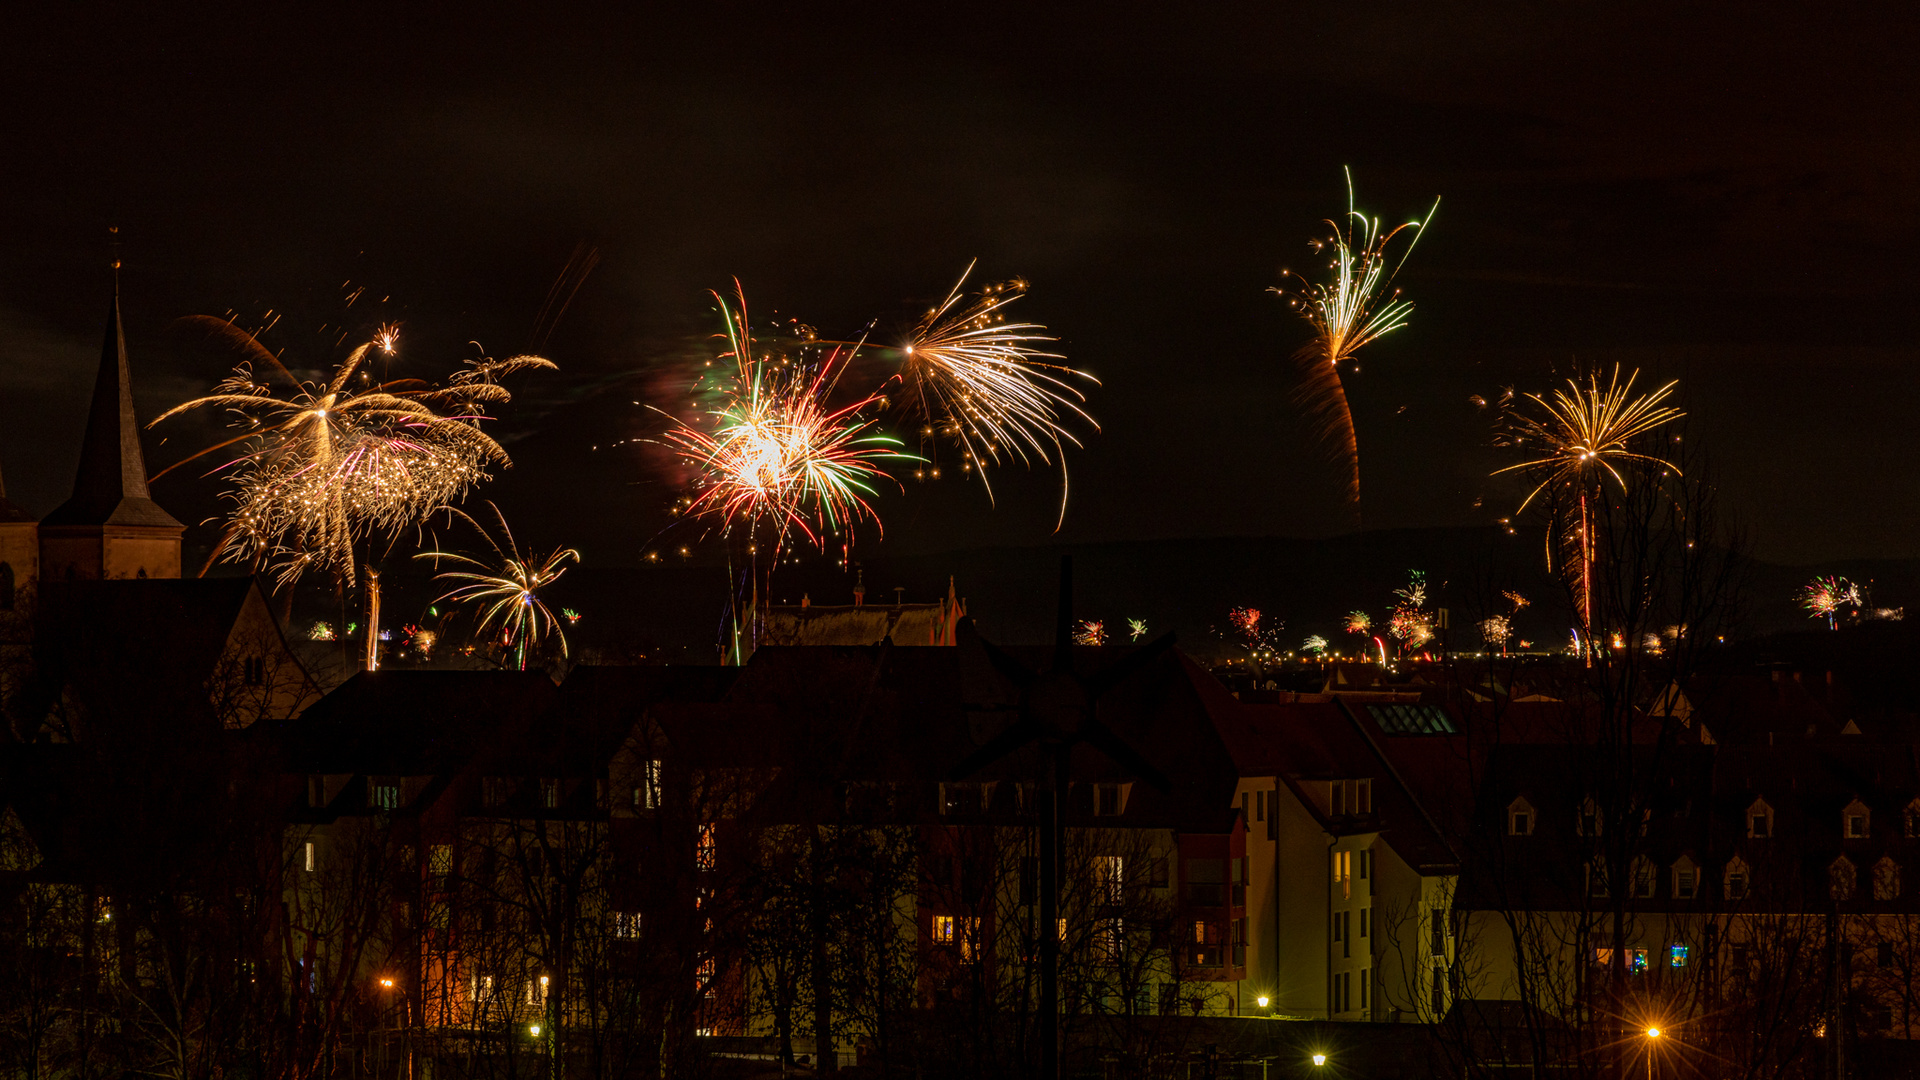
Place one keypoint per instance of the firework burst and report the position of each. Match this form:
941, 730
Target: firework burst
772, 450
1410, 622
1582, 436
336, 461
1315, 644
1823, 597
1250, 631
1090, 632
1357, 306
506, 590
1136, 629
1359, 622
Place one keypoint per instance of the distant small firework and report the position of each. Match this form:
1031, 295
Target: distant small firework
334, 462
1249, 630
1314, 644
1090, 632
1359, 622
1496, 630
1356, 307
1516, 600
1823, 597
1410, 622
322, 632
508, 591
1136, 629
572, 616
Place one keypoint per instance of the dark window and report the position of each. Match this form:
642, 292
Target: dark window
1884, 954
6, 586
256, 670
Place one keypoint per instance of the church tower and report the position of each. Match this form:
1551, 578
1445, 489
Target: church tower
111, 527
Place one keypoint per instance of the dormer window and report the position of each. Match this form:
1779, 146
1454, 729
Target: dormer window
1109, 800
1886, 879
1759, 820
1520, 818
1737, 879
1643, 880
550, 793
1686, 879
1589, 823
1597, 879
1855, 820
1842, 878
383, 792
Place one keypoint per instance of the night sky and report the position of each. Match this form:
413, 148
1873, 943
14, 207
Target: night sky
1725, 195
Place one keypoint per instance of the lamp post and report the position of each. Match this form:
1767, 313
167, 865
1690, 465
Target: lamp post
1653, 1039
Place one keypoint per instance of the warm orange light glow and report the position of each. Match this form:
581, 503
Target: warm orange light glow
1653, 1033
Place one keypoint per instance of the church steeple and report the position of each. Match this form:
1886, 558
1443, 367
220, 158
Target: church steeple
111, 527
111, 486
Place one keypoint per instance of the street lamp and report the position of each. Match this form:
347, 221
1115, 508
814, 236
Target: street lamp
1261, 1001
1319, 1060
1653, 1036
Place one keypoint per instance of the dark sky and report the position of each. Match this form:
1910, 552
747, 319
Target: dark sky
1727, 195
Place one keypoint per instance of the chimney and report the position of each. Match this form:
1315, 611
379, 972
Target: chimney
860, 589
805, 603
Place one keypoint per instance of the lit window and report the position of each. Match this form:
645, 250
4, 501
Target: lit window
650, 787
383, 793
1111, 873
1589, 823
706, 849
1637, 961
1677, 955
440, 859
624, 924
309, 856
550, 793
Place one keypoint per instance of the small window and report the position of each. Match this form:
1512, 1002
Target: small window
1736, 882
1677, 956
1337, 792
1366, 921
1107, 800
1520, 818
706, 849
1883, 954
1363, 797
1589, 823
1642, 879
316, 791
1759, 820
1886, 879
623, 924
1855, 821
1366, 862
6, 586
550, 793
383, 793
1260, 806
1842, 878
310, 859
1111, 871
1686, 881
440, 860
1157, 872
1597, 879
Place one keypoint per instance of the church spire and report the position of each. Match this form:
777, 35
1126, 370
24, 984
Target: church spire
111, 486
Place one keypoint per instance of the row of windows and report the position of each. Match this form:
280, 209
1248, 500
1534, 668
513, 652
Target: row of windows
1843, 879
1856, 820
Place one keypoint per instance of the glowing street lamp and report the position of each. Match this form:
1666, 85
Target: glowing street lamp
1653, 1039
1319, 1060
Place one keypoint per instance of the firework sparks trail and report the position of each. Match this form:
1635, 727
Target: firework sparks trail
1823, 597
1358, 306
987, 385
1315, 644
773, 451
1583, 435
1090, 632
337, 461
507, 589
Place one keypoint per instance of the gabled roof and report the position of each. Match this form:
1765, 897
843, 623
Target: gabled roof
111, 485
415, 723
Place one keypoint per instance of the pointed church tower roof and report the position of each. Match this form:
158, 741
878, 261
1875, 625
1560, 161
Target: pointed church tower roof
111, 487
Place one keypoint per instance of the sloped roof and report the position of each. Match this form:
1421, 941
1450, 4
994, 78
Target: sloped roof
415, 723
111, 485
